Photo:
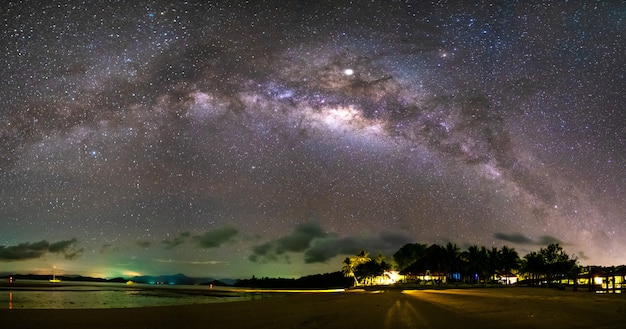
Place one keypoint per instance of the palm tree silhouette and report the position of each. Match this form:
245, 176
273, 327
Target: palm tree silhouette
476, 263
508, 260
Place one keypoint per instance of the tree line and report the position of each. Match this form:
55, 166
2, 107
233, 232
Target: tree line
474, 265
326, 280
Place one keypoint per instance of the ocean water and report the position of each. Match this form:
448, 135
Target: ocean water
74, 295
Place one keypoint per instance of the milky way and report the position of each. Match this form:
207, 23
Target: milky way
234, 139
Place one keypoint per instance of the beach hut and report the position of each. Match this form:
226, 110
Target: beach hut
423, 276
507, 278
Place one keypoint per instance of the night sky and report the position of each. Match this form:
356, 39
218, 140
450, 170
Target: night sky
236, 138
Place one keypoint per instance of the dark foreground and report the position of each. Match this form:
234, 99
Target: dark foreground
472, 308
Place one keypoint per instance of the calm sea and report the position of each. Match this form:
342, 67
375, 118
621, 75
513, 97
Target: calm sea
72, 295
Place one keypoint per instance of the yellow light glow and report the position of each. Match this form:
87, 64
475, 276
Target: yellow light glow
131, 273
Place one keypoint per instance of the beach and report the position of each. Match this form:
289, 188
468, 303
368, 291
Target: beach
515, 307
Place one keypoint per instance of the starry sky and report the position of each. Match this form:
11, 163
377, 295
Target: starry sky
267, 138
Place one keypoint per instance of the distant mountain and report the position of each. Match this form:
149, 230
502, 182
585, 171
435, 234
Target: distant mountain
216, 283
46, 277
150, 279
170, 279
228, 282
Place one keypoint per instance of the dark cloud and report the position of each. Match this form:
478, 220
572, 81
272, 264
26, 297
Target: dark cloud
143, 244
384, 242
391, 239
193, 262
324, 249
106, 248
61, 245
523, 239
33, 250
319, 247
73, 254
582, 256
216, 237
170, 244
547, 239
298, 241
513, 237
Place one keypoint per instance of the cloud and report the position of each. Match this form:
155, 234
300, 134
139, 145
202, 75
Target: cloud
191, 262
210, 239
547, 239
73, 253
33, 250
324, 249
170, 244
384, 242
216, 237
298, 241
513, 237
143, 244
522, 239
106, 248
319, 247
582, 256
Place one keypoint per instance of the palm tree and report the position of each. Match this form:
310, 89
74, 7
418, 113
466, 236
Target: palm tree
348, 270
372, 268
508, 260
493, 260
351, 263
534, 265
476, 262
451, 259
362, 257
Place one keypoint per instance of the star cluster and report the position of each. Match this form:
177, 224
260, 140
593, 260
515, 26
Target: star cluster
239, 138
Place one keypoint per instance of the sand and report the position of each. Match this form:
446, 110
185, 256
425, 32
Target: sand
453, 308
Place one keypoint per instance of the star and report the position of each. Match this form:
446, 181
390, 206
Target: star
240, 139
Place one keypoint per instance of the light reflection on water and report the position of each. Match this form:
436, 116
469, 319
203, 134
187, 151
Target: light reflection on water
113, 295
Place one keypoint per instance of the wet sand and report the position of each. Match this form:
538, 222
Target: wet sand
454, 308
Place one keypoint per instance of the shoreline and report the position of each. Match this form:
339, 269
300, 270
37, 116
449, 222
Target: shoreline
82, 295
515, 307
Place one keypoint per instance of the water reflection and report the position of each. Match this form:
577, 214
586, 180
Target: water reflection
113, 295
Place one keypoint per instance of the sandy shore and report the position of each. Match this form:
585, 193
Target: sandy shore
463, 308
